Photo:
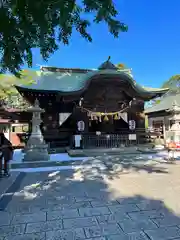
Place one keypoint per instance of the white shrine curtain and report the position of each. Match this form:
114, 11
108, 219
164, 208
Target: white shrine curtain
63, 117
124, 116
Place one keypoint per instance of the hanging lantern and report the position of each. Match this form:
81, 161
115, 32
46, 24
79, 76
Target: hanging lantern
81, 126
132, 124
106, 118
116, 117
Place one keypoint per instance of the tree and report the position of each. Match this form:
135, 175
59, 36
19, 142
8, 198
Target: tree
174, 87
27, 24
9, 96
121, 66
173, 83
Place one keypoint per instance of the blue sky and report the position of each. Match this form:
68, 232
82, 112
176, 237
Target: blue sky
151, 47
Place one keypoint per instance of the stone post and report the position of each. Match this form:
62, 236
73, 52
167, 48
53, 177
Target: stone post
174, 132
36, 149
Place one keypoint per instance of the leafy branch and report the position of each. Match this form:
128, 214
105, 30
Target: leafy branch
27, 24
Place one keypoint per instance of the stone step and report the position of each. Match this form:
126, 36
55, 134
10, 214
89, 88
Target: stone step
99, 152
52, 150
103, 151
45, 164
57, 150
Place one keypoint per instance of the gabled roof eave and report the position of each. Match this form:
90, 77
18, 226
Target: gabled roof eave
89, 76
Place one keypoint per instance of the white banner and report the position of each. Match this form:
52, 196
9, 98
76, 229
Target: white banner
63, 117
124, 116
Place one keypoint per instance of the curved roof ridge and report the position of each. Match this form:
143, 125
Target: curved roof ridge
66, 83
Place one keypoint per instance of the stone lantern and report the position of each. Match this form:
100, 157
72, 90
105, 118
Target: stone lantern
173, 135
36, 149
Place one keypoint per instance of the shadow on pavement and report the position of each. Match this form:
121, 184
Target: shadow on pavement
114, 166
75, 205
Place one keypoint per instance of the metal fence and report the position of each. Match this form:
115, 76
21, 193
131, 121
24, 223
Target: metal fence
93, 140
107, 141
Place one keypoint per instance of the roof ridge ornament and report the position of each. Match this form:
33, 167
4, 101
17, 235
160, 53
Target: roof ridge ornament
107, 65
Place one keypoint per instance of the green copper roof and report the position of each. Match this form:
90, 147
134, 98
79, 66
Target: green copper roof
165, 103
67, 82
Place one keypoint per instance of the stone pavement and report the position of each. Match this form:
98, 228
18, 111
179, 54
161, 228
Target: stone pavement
92, 204
6, 183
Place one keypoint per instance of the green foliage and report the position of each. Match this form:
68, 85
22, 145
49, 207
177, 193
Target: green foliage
9, 96
156, 101
173, 83
27, 24
174, 87
121, 66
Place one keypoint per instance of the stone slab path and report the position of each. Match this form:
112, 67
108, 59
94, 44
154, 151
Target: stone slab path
5, 184
93, 204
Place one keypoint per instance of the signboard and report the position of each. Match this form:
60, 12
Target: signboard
98, 133
77, 139
132, 137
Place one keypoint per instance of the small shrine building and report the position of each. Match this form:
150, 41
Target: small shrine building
165, 115
90, 108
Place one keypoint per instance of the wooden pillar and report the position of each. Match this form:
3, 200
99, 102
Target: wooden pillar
136, 114
164, 127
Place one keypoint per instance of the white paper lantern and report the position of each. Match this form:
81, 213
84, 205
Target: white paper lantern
132, 125
81, 126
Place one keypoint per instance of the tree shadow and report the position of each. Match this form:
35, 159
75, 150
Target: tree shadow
113, 166
70, 205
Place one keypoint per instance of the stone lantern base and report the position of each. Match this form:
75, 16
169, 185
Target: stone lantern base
36, 155
35, 152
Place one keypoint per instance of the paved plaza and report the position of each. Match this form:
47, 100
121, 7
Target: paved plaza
93, 203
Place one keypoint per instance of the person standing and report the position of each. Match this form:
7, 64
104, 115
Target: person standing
6, 153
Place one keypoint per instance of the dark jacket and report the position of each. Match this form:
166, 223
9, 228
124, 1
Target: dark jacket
5, 144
